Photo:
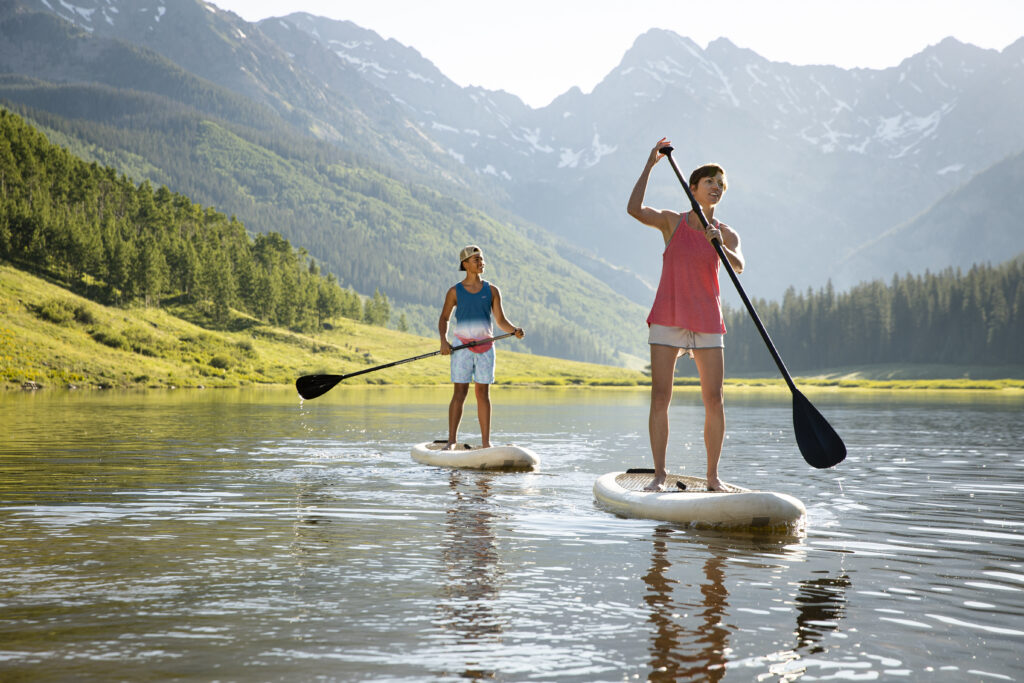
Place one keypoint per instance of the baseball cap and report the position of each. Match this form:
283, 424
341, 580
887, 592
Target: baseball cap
468, 252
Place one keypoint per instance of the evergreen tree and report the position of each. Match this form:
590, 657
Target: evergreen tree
377, 311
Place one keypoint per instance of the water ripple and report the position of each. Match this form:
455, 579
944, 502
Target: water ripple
308, 541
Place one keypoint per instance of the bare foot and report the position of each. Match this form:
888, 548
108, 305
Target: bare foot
657, 484
715, 485
450, 447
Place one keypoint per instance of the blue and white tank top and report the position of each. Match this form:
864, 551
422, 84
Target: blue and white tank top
473, 316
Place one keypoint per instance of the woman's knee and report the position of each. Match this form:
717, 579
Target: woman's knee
661, 398
714, 399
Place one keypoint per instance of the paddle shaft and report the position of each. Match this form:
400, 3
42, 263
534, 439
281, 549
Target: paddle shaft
425, 355
667, 151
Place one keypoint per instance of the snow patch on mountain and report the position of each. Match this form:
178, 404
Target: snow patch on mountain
82, 11
365, 66
726, 88
599, 150
752, 71
419, 77
569, 158
533, 138
909, 130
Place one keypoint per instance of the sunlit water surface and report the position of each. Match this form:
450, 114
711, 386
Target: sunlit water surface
241, 536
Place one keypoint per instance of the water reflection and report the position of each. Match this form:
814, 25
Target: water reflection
820, 605
311, 533
472, 574
693, 623
679, 653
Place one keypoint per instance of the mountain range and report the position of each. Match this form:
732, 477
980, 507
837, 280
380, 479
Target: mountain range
823, 161
841, 175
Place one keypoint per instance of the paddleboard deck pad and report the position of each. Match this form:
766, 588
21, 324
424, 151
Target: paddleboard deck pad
735, 508
506, 457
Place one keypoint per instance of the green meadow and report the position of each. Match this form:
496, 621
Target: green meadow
52, 338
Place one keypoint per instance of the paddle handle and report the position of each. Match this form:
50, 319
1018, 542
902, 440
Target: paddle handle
667, 151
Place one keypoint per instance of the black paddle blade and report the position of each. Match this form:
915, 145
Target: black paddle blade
311, 386
818, 442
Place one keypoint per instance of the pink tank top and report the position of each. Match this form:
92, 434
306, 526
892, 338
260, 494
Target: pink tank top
688, 294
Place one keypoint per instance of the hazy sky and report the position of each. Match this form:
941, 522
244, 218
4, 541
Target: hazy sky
538, 49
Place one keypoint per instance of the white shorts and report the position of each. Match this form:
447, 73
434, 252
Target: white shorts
468, 366
682, 338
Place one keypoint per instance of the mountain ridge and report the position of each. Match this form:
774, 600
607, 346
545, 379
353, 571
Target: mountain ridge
821, 160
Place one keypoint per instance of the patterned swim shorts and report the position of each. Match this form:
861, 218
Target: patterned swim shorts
473, 367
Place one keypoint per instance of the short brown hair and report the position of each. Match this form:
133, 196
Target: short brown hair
706, 171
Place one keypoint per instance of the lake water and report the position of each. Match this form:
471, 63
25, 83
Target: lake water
239, 535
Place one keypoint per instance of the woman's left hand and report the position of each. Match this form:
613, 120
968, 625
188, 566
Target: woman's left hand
713, 233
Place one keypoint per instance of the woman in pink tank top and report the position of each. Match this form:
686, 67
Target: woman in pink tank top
686, 317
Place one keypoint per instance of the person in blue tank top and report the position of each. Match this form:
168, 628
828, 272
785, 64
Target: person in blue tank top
477, 307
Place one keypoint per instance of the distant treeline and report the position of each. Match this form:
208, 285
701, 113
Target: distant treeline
948, 317
116, 242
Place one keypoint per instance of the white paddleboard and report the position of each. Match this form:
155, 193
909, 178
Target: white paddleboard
735, 508
506, 457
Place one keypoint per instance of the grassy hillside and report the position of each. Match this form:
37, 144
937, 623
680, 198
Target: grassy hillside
57, 339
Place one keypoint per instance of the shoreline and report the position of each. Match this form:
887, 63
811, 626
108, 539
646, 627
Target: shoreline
1006, 387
